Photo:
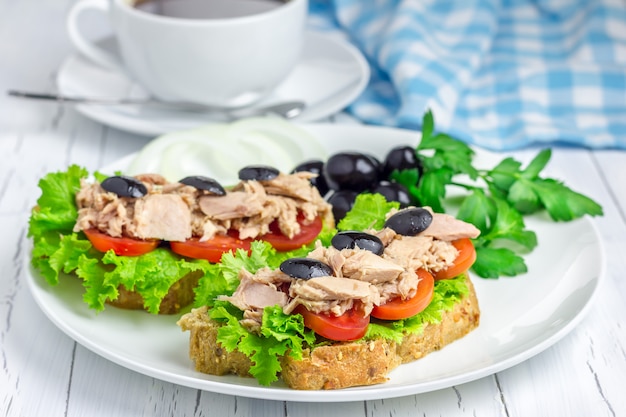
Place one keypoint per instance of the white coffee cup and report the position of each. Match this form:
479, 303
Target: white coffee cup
222, 61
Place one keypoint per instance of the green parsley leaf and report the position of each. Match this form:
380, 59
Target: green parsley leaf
496, 262
479, 209
432, 190
496, 198
523, 196
562, 203
537, 165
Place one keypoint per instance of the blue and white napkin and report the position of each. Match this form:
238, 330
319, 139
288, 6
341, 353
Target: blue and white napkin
501, 74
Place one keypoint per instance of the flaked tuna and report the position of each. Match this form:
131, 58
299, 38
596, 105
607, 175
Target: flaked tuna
176, 212
331, 295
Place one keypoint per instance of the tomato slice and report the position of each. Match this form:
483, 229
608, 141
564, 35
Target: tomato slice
126, 246
397, 308
464, 260
280, 242
212, 249
351, 325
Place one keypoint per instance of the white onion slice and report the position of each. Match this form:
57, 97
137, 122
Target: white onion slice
220, 150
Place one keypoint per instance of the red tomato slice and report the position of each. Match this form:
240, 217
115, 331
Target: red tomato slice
212, 249
349, 326
280, 242
464, 260
397, 308
125, 246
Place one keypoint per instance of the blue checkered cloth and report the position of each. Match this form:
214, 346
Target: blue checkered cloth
501, 74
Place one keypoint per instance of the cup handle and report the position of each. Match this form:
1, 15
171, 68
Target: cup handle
90, 50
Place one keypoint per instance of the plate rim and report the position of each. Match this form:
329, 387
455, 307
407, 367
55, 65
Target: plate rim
381, 391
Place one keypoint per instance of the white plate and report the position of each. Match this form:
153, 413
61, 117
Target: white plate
328, 77
521, 316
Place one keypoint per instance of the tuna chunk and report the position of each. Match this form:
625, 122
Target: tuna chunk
233, 205
161, 216
404, 287
331, 294
296, 185
102, 210
414, 252
449, 228
253, 295
331, 257
367, 266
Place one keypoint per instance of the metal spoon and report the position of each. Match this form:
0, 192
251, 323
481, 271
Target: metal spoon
287, 109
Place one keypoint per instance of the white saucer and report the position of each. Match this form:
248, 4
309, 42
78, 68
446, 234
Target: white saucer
329, 76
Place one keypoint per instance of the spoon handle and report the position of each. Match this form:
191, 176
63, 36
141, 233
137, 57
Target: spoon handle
287, 109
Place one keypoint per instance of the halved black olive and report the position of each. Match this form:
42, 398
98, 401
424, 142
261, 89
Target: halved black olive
410, 222
361, 240
205, 184
258, 173
305, 268
125, 186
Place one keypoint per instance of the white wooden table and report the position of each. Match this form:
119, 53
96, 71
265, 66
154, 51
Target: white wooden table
45, 373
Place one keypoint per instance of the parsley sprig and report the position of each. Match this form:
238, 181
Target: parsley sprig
496, 200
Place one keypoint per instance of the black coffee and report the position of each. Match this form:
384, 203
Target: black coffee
207, 9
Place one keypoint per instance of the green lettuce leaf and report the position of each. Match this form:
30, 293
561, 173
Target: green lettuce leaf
56, 207
280, 334
368, 212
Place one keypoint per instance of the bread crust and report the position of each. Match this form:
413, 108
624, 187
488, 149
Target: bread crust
340, 365
180, 295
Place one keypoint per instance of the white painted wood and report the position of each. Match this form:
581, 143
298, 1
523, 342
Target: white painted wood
43, 372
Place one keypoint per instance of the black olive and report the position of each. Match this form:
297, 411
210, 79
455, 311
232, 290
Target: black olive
393, 191
125, 186
258, 173
205, 184
305, 268
351, 171
410, 222
316, 167
342, 202
399, 158
361, 240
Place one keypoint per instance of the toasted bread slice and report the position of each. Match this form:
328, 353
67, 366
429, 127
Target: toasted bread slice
180, 295
340, 365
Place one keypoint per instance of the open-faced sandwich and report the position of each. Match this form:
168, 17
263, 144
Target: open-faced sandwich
278, 291
347, 312
143, 242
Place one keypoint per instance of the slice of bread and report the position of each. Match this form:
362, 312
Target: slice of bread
179, 296
340, 365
